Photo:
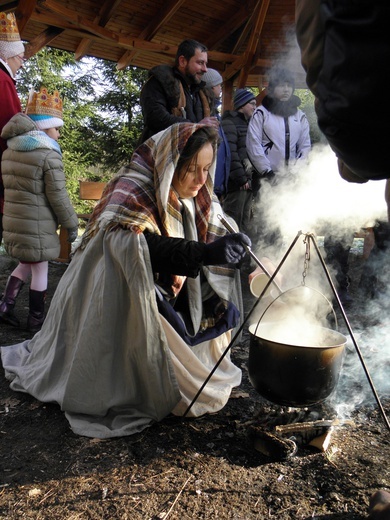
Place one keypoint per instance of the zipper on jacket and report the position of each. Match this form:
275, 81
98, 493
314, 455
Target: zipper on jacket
287, 142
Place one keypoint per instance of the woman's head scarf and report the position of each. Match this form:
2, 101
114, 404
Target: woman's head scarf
141, 197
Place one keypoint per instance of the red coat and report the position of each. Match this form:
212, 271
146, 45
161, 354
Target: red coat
9, 106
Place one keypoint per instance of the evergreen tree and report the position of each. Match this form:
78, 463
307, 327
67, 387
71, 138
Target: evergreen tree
102, 116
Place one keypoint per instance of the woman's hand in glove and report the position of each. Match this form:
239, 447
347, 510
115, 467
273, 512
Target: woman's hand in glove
73, 234
229, 249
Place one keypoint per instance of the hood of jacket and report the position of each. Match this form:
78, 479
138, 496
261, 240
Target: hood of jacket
18, 124
165, 76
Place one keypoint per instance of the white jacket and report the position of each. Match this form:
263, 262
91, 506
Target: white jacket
267, 137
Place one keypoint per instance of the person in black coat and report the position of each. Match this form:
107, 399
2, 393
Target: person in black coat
177, 94
344, 46
243, 180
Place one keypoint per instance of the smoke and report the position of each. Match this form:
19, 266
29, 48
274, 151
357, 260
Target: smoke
314, 198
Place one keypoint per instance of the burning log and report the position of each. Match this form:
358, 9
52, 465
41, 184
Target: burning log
314, 433
271, 445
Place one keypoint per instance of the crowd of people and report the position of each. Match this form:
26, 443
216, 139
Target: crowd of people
154, 251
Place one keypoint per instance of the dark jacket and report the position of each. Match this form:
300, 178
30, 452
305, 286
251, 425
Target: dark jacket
235, 126
344, 47
222, 167
160, 99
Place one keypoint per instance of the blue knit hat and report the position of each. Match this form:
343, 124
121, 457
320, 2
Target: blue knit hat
242, 97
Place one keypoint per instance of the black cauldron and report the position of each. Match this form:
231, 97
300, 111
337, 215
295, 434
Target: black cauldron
296, 375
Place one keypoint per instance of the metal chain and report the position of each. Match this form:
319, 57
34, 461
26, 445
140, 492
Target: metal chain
306, 260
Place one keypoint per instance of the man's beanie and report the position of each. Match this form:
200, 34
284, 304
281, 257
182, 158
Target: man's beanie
10, 42
212, 78
280, 75
242, 97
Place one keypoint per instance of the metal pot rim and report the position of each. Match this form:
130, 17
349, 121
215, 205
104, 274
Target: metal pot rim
339, 342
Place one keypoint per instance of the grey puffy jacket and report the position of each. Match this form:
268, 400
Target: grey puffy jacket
36, 200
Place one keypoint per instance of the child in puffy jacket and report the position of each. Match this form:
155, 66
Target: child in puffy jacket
36, 202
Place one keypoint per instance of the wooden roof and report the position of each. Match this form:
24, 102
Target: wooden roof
244, 37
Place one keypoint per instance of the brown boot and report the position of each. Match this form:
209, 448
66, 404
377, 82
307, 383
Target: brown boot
380, 505
36, 316
7, 303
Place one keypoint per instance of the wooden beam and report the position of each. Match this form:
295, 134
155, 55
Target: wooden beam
232, 25
106, 11
259, 23
40, 41
254, 38
161, 19
234, 68
67, 19
82, 48
151, 29
227, 98
23, 13
6, 7
58, 8
244, 33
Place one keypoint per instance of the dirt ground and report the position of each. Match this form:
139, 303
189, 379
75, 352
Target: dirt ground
231, 465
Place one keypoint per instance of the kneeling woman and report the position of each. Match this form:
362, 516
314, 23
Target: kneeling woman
144, 310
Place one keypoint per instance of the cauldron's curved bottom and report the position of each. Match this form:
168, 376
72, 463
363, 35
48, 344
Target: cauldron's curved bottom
296, 376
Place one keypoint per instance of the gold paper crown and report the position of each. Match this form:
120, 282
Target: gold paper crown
43, 103
8, 28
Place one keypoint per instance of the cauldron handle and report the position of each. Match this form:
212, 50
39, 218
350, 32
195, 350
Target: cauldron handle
291, 289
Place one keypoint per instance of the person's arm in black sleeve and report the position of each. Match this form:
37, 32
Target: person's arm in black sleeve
175, 255
185, 257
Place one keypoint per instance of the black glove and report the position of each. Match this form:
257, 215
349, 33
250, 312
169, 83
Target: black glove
73, 234
229, 249
255, 182
269, 175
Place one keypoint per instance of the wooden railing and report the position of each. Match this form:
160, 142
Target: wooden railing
88, 190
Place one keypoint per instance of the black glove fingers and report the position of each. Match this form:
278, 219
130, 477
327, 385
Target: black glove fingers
229, 249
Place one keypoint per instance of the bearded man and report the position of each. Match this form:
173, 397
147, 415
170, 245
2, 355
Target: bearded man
177, 94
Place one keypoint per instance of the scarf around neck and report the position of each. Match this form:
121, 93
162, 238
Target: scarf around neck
32, 141
281, 108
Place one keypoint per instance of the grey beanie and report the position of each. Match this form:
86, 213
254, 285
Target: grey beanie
242, 97
212, 78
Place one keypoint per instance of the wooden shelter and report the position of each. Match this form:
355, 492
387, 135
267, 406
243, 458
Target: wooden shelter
244, 37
